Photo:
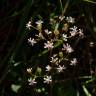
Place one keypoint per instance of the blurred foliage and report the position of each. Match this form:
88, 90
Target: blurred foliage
16, 55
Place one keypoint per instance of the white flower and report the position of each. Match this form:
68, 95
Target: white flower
47, 32
73, 31
70, 19
40, 35
32, 81
39, 22
48, 68
54, 59
29, 70
64, 37
47, 79
73, 62
91, 44
61, 68
28, 25
31, 41
61, 17
81, 33
67, 48
48, 45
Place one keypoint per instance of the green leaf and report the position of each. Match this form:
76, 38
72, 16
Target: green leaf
59, 42
15, 88
38, 71
42, 53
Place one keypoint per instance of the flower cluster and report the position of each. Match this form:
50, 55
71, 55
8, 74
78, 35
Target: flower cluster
57, 37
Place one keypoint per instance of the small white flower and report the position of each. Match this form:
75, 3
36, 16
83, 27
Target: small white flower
61, 17
28, 25
48, 68
81, 34
48, 32
54, 59
39, 22
73, 62
91, 44
61, 68
31, 41
32, 81
48, 79
64, 37
74, 28
39, 25
40, 35
29, 70
73, 31
67, 48
70, 19
48, 45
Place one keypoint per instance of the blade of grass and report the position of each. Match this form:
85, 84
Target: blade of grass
86, 91
89, 1
65, 8
61, 6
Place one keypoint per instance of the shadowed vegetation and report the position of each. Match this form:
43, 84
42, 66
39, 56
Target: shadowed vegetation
27, 48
